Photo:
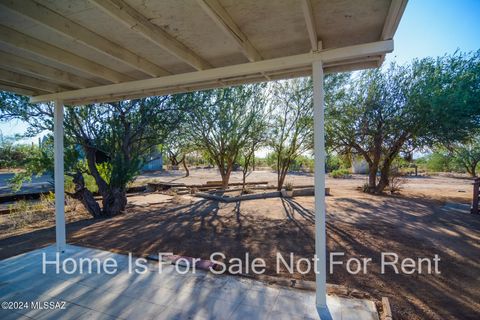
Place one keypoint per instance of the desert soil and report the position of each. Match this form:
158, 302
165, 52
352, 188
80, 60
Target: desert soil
419, 222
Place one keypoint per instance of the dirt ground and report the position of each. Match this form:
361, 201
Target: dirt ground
420, 222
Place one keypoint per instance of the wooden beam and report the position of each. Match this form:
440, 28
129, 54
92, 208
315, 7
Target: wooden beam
18, 64
395, 12
56, 54
19, 90
62, 25
351, 66
121, 11
310, 22
225, 82
34, 83
189, 79
221, 17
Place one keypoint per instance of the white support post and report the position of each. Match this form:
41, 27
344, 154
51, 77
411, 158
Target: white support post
319, 152
59, 178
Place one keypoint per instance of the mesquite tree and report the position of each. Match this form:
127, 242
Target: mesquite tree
177, 145
109, 141
383, 112
257, 139
291, 123
222, 122
467, 154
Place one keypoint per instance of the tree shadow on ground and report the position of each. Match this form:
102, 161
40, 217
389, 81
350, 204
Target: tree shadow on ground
359, 226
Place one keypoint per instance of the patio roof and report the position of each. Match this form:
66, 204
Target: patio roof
79, 51
102, 50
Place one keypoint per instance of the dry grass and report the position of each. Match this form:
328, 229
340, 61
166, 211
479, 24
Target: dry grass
29, 214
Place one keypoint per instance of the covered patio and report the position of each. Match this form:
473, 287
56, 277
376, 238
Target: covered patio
154, 295
80, 52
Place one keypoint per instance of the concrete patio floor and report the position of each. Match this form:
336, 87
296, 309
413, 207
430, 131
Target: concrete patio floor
154, 295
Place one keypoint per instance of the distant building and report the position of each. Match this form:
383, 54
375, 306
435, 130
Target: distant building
154, 161
359, 165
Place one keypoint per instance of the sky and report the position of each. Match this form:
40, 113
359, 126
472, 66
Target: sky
428, 28
436, 27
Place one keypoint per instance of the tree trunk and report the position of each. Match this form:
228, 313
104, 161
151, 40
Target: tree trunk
372, 177
384, 178
280, 182
473, 171
84, 195
282, 173
114, 202
244, 174
225, 179
114, 199
173, 158
225, 173
248, 158
184, 162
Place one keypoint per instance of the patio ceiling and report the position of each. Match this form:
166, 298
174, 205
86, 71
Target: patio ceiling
83, 51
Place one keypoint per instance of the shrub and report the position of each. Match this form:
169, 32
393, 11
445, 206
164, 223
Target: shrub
194, 190
340, 174
248, 190
303, 164
396, 180
14, 154
366, 188
25, 213
288, 186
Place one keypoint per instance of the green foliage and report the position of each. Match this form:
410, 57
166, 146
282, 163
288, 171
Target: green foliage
90, 183
177, 144
335, 161
380, 113
109, 142
466, 155
463, 159
340, 174
448, 88
436, 162
288, 186
302, 163
291, 123
38, 162
130, 129
466, 161
223, 122
14, 154
271, 160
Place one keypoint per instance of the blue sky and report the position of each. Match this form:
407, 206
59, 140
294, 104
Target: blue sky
436, 27
428, 28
